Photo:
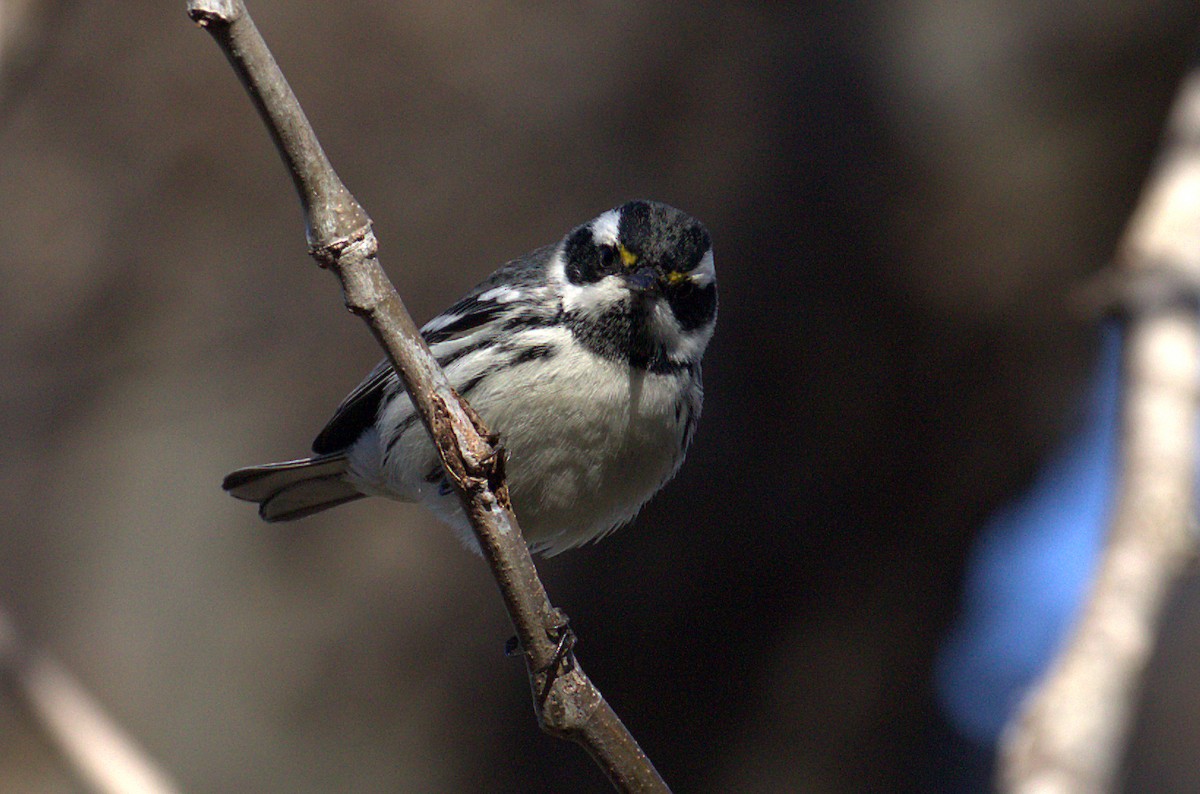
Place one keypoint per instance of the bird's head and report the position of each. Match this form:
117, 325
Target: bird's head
643, 270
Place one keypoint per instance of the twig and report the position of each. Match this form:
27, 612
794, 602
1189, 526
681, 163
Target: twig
100, 754
1070, 735
341, 239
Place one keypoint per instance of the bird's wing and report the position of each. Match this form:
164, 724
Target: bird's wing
358, 411
449, 336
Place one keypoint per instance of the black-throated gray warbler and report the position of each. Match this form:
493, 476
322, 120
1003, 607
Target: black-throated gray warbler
584, 356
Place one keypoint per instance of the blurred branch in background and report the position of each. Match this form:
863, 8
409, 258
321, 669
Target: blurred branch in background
99, 753
340, 236
1070, 736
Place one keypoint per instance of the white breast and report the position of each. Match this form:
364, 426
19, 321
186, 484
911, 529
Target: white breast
589, 441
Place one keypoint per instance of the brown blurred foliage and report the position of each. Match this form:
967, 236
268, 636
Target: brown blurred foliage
901, 194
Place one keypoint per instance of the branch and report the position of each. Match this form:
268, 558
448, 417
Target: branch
341, 239
99, 752
1070, 734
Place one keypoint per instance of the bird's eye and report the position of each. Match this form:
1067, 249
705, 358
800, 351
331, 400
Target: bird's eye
608, 255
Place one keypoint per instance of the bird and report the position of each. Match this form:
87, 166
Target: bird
583, 356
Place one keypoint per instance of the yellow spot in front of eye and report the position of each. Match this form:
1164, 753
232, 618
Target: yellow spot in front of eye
628, 258
676, 278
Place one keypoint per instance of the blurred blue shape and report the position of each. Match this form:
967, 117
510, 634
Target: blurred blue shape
1029, 572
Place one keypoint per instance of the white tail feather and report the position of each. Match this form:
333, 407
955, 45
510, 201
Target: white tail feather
295, 488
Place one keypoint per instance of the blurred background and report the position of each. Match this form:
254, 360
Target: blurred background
900, 404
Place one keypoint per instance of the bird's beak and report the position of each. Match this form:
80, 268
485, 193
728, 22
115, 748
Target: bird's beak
644, 278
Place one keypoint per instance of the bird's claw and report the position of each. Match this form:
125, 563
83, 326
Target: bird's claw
560, 633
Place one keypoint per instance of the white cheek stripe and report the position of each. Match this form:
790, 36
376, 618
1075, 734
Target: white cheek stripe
594, 299
681, 345
576, 297
556, 273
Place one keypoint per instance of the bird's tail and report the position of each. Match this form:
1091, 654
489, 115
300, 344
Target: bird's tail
295, 488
